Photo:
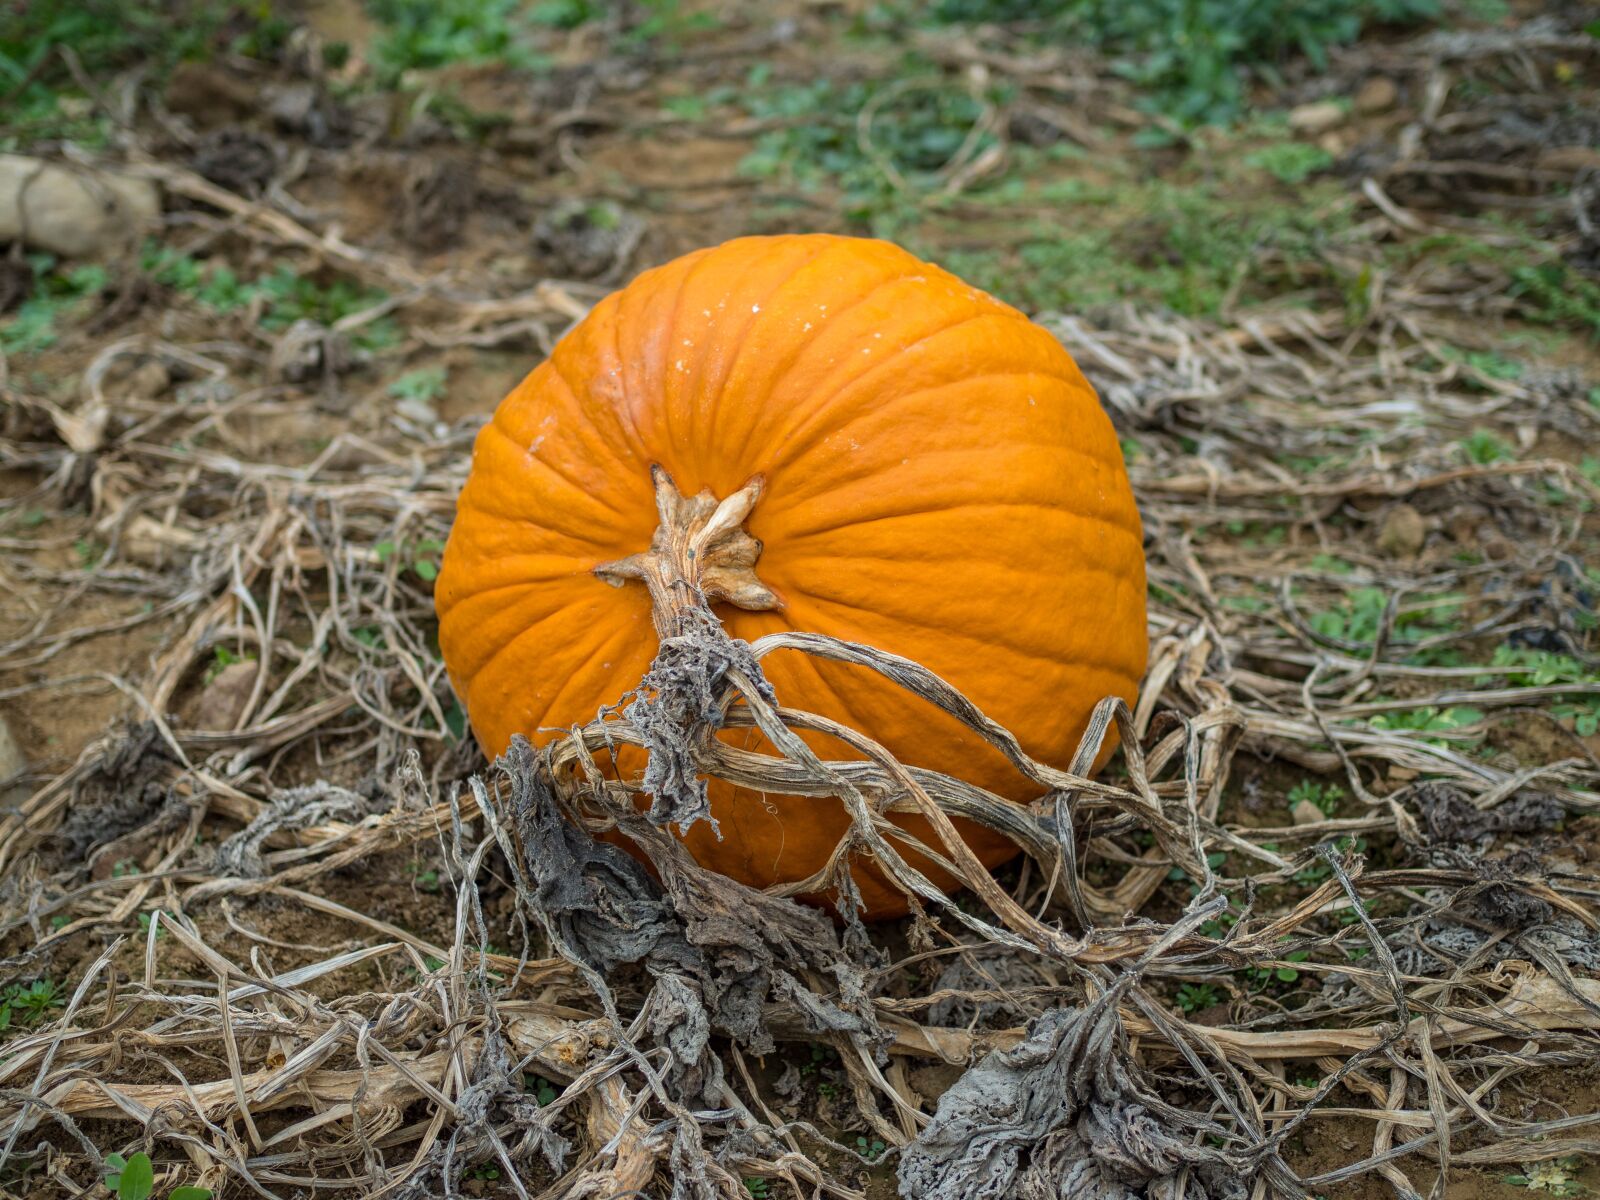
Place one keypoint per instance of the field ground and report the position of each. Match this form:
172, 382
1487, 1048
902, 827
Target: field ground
1344, 308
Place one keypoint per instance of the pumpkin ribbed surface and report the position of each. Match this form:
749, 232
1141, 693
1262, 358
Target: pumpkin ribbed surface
939, 481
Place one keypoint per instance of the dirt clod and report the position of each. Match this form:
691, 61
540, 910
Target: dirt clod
222, 702
75, 211
1317, 118
1376, 95
1403, 532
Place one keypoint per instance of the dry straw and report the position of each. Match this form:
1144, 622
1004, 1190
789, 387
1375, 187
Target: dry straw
1434, 988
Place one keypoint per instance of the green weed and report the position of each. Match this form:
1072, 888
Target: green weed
425, 34
286, 295
1314, 872
1187, 249
1196, 997
1543, 668
1290, 162
1554, 1176
1194, 59
28, 1004
1487, 363
214, 286
1557, 295
421, 557
221, 659
914, 130
821, 1056
89, 552
292, 297
1540, 668
424, 385
134, 1179
541, 1089
425, 877
1325, 796
1428, 719
1484, 448
57, 294
43, 99
1358, 616
1263, 978
666, 22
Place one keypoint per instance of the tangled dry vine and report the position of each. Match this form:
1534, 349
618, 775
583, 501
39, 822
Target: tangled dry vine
247, 991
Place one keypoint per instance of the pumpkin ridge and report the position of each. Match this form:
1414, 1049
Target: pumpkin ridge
798, 498
791, 537
624, 636
624, 460
554, 612
714, 401
985, 642
886, 406
624, 405
533, 456
817, 416
782, 370
580, 568
617, 416
690, 445
621, 418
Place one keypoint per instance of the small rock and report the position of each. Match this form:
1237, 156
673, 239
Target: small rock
1463, 523
292, 104
1336, 144
1495, 545
1403, 532
73, 211
12, 760
1215, 1016
1317, 117
1303, 812
1377, 95
150, 379
225, 696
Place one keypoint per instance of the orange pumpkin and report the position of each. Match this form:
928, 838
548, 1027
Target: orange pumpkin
938, 480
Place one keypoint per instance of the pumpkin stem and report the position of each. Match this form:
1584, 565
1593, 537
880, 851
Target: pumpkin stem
700, 554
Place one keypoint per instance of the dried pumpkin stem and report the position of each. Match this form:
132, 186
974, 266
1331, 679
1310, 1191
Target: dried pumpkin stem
700, 555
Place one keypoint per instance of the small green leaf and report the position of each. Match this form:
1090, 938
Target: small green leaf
384, 551
190, 1193
138, 1178
426, 569
114, 1167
